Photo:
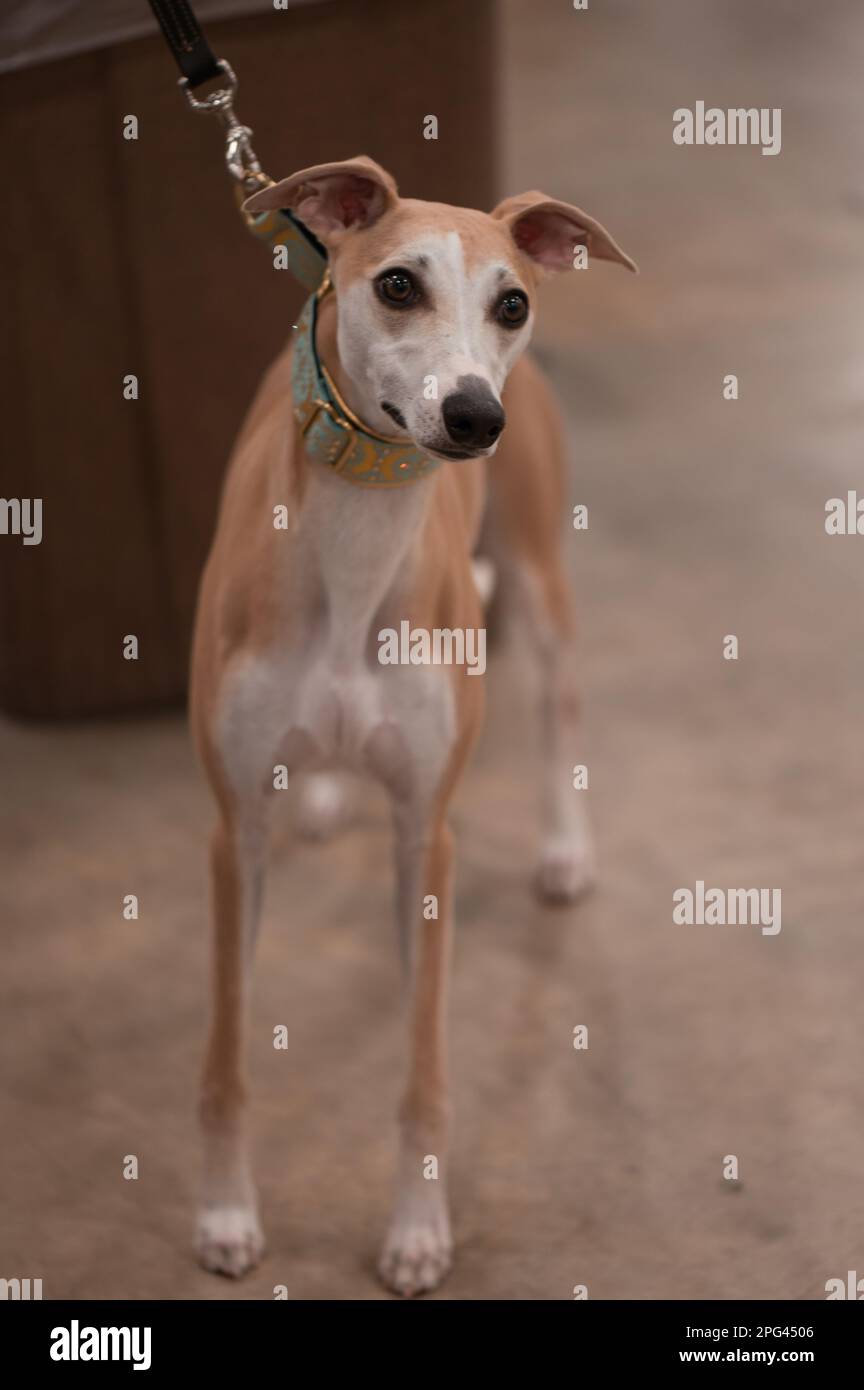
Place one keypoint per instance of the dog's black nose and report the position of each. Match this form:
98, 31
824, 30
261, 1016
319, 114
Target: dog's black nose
472, 416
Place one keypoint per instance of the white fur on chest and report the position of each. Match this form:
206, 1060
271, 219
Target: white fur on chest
318, 697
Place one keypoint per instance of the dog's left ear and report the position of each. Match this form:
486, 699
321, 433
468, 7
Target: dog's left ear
331, 198
548, 232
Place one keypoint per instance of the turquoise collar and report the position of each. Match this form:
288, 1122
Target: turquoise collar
332, 433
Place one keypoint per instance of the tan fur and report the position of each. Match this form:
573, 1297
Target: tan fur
268, 605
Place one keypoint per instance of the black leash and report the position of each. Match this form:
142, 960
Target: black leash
184, 36
307, 258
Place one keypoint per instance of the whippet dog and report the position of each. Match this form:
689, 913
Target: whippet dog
353, 503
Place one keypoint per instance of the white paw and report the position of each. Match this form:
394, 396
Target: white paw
229, 1240
565, 871
323, 806
416, 1256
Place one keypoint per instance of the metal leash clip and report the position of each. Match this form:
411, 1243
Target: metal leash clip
240, 157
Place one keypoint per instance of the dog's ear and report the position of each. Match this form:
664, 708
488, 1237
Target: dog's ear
331, 198
548, 232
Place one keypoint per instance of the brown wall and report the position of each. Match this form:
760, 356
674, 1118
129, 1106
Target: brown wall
128, 257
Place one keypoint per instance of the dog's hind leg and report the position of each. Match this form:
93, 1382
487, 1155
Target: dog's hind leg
565, 867
527, 505
229, 1236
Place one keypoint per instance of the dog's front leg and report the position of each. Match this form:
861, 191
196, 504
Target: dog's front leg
418, 1248
229, 1234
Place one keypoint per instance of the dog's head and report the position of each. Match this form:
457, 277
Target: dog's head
435, 303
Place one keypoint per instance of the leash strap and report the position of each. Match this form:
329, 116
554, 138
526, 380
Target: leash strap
183, 34
306, 257
331, 433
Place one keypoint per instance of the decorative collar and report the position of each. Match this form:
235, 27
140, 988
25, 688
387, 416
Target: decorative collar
331, 432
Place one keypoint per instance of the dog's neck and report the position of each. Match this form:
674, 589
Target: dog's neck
359, 549
362, 538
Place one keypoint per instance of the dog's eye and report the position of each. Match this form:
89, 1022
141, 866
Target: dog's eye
398, 288
512, 309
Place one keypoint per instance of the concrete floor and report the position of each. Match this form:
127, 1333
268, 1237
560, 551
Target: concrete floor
602, 1167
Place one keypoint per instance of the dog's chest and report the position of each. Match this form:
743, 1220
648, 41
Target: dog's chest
389, 722
318, 696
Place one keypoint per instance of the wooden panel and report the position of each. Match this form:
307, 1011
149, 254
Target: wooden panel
71, 439
128, 256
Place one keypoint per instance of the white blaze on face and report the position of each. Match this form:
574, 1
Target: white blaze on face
402, 355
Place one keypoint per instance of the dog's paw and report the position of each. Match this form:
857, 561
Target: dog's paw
564, 873
416, 1257
324, 806
229, 1240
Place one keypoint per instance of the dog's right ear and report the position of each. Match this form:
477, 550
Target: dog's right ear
548, 231
331, 199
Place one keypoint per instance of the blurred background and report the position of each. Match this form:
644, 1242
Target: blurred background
706, 518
